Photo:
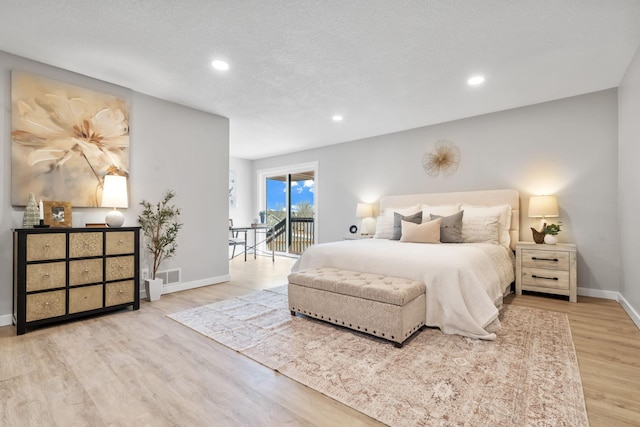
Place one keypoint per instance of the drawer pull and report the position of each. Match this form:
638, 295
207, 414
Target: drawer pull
46, 275
542, 277
120, 242
121, 292
535, 258
47, 246
86, 270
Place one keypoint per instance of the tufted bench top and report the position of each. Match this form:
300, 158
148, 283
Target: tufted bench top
375, 287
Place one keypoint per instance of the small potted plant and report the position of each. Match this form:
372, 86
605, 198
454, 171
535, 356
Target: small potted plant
160, 226
550, 234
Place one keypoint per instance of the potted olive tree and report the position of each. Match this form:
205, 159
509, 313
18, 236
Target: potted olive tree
160, 226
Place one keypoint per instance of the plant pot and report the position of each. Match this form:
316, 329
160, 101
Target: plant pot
153, 287
550, 239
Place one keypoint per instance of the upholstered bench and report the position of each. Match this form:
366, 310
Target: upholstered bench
388, 307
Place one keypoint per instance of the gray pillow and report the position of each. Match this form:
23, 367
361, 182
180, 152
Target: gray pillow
397, 223
450, 228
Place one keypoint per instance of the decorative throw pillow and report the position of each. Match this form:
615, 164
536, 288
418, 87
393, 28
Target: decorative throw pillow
504, 221
384, 227
397, 226
451, 227
480, 229
426, 232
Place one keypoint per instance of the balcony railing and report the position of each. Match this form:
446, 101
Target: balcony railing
302, 235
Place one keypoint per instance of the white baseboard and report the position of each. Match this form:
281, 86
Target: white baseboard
6, 319
598, 293
168, 289
630, 310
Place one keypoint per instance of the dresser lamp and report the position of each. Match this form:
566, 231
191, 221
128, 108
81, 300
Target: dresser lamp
114, 195
542, 207
364, 211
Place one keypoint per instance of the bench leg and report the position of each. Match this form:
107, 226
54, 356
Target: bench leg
293, 313
398, 344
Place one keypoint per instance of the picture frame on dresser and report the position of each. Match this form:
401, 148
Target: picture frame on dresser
57, 214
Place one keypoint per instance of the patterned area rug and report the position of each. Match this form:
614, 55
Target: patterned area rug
528, 376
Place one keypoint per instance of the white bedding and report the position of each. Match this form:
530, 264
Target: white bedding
464, 282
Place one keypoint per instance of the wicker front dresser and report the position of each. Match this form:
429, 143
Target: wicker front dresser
64, 273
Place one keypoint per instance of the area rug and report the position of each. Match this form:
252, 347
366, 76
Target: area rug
528, 376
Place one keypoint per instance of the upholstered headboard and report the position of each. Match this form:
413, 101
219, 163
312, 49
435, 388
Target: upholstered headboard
480, 198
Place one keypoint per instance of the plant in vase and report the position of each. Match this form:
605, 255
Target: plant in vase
550, 233
262, 216
160, 226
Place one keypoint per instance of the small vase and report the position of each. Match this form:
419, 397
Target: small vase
31, 213
550, 239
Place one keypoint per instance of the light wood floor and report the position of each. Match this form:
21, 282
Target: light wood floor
142, 368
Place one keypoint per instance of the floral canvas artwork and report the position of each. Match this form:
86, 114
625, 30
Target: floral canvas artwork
64, 140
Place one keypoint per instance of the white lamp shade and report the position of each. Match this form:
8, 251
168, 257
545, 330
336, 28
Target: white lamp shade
114, 192
543, 206
364, 210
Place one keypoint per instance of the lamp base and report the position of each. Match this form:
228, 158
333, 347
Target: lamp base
114, 219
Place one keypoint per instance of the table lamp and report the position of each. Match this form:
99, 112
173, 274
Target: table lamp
542, 207
364, 211
114, 195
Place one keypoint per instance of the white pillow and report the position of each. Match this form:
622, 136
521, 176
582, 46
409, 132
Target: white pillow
406, 211
427, 232
504, 220
384, 227
480, 229
440, 210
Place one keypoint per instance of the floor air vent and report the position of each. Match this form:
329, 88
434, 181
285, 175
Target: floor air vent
170, 277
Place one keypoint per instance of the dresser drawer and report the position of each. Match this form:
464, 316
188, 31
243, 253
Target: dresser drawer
119, 293
544, 278
120, 242
45, 305
46, 246
48, 275
548, 259
121, 267
85, 299
85, 245
85, 271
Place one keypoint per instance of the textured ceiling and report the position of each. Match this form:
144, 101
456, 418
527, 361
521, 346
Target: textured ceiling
385, 65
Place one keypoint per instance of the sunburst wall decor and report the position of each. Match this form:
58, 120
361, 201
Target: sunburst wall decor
443, 159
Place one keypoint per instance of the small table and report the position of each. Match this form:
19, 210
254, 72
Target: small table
262, 228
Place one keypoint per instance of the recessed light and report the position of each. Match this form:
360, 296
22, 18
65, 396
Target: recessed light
475, 80
337, 118
220, 65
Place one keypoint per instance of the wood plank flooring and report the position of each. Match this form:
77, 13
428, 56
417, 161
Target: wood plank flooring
142, 368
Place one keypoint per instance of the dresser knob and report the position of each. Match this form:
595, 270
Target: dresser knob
46, 275
120, 242
86, 270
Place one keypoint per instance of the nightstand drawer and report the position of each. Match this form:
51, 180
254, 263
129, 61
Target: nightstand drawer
548, 259
120, 242
544, 278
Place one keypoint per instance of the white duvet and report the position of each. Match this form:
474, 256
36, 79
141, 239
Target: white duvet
464, 282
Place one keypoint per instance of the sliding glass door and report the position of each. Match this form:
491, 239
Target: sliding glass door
289, 206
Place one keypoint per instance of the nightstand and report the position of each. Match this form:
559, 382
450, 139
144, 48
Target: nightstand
550, 269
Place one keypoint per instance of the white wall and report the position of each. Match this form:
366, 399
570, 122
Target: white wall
172, 147
243, 213
629, 185
566, 147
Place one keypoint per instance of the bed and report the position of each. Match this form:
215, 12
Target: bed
465, 281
